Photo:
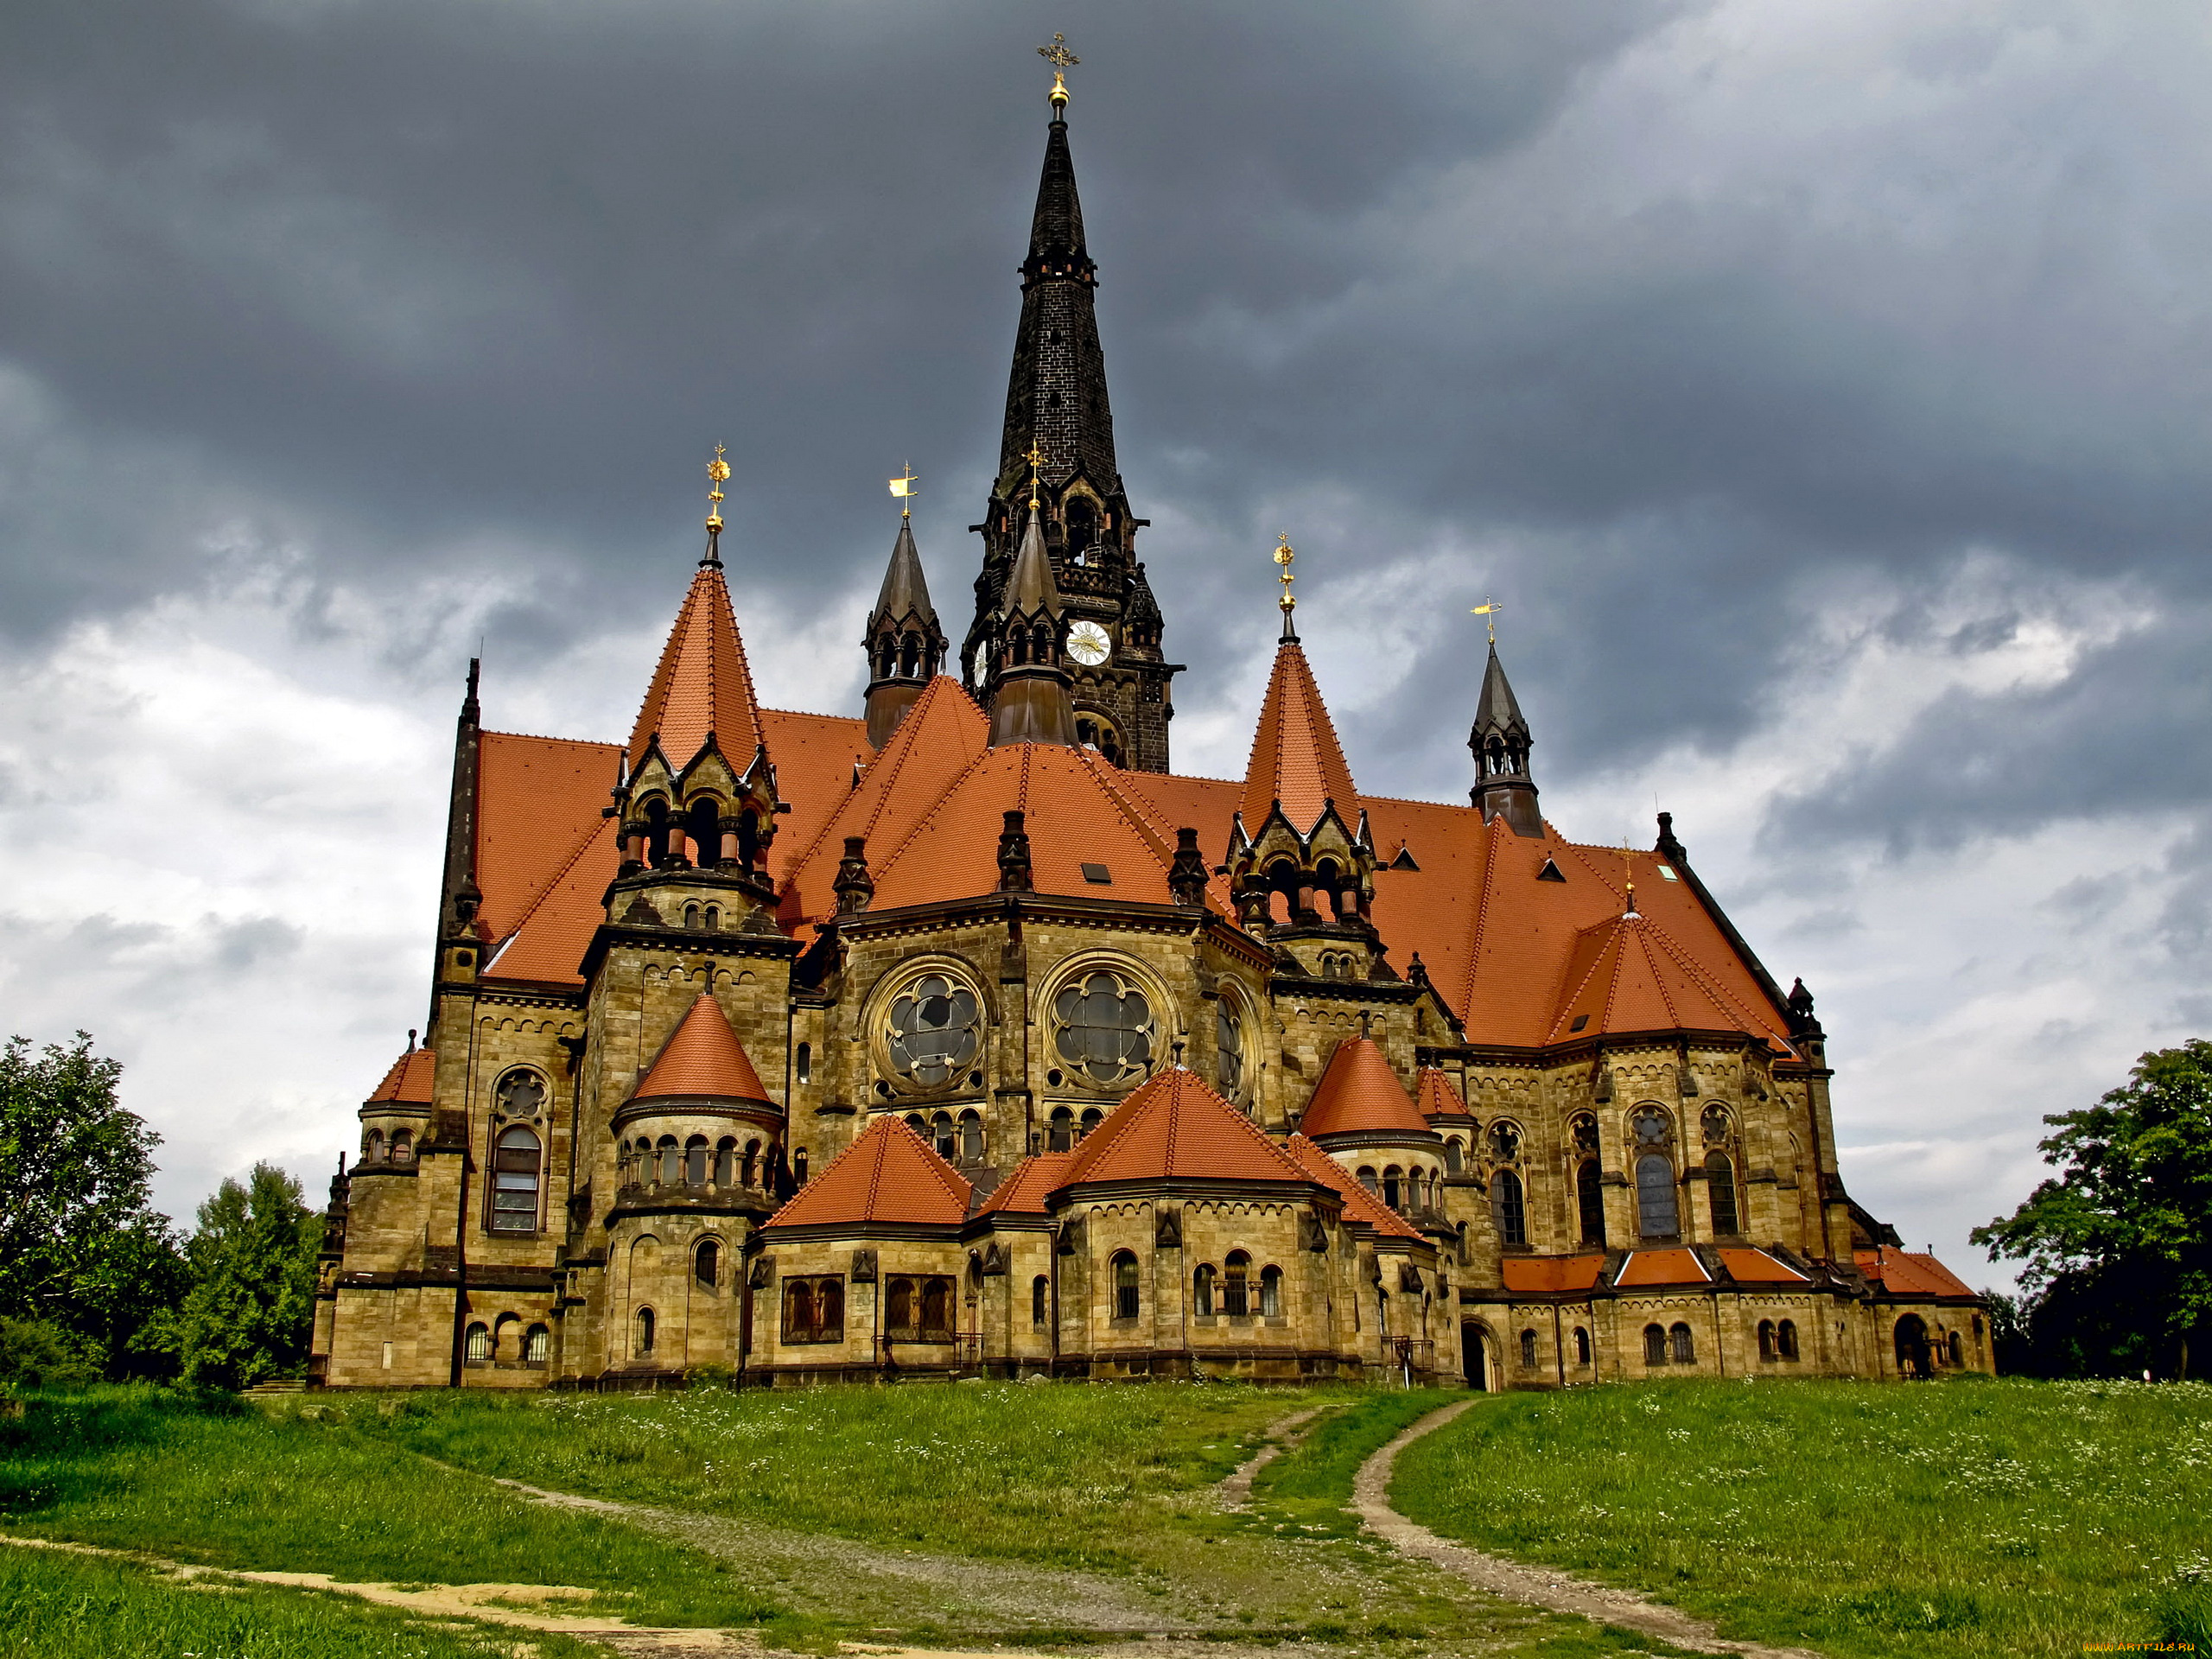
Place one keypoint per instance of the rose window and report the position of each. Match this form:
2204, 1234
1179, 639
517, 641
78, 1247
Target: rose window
936, 1025
1105, 1028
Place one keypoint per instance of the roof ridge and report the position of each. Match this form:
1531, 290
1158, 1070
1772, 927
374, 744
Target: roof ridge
1709, 984
548, 737
909, 729
1482, 910
605, 826
922, 820
1574, 991
1658, 976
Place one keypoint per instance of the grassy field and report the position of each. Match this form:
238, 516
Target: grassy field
1966, 1519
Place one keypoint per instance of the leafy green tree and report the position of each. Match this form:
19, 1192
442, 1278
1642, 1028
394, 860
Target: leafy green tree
2118, 1249
81, 1251
251, 1307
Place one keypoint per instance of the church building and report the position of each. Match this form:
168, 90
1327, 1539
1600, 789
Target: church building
959, 1034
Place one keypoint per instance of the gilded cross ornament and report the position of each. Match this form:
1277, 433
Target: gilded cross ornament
717, 475
1283, 556
1062, 60
1488, 609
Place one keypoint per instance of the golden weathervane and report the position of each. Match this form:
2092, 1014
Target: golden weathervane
1062, 60
1283, 554
717, 475
1489, 609
903, 488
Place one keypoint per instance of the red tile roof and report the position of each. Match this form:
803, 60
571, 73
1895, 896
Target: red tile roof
1175, 1127
703, 683
1757, 1267
1628, 974
1359, 1094
1360, 1204
1435, 1095
888, 1175
1023, 1192
703, 1057
1551, 1275
408, 1083
1662, 1267
538, 801
1296, 758
1910, 1273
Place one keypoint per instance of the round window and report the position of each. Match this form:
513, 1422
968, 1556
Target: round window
935, 1027
1105, 1028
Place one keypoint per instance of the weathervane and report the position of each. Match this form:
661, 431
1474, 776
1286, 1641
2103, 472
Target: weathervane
1062, 60
717, 475
1488, 609
1036, 459
903, 488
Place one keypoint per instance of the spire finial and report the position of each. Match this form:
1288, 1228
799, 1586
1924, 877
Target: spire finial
1035, 456
903, 488
1628, 876
1062, 60
1488, 610
1284, 554
717, 475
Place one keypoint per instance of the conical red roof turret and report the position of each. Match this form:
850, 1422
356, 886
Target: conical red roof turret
703, 1058
1296, 758
703, 683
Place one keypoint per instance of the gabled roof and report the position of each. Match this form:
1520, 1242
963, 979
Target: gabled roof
1550, 1276
1359, 1094
1360, 1204
1910, 1273
1024, 1191
703, 1057
408, 1083
890, 1176
1296, 758
1174, 1128
1435, 1095
703, 683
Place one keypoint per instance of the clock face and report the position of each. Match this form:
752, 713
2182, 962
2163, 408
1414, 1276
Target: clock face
1089, 645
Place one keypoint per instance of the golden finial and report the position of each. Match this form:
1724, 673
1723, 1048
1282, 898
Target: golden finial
1283, 554
903, 488
1627, 873
1062, 60
717, 475
1036, 459
1489, 609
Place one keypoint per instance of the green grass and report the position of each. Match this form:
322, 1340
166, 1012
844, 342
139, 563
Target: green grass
214, 1484
1965, 1519
1308, 1488
57, 1606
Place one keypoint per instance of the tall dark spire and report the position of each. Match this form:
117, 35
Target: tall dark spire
1503, 787
1056, 402
904, 646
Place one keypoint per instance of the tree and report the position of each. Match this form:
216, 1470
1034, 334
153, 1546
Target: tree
81, 1251
251, 1307
2118, 1249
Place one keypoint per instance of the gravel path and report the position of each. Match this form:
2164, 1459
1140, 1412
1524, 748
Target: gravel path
1533, 1586
1283, 1434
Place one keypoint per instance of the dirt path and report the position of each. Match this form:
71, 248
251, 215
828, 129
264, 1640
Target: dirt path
1283, 1434
1533, 1586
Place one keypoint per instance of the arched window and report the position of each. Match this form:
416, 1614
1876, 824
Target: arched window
1228, 1049
1656, 1214
691, 918
1040, 1291
373, 1148
1581, 1346
707, 1263
1720, 1184
1785, 1338
1654, 1345
643, 1324
899, 1316
1767, 1350
1125, 1286
1202, 1291
799, 1322
1590, 1201
1506, 1197
1527, 1351
695, 1161
1237, 1285
514, 1181
476, 1344
971, 1138
1092, 1117
803, 1062
1367, 1177
799, 1167
829, 1311
1682, 1345
1059, 1135
751, 1169
1393, 1187
937, 1307
713, 919
537, 1345
671, 1161
1454, 1159
725, 1162
943, 1136
1958, 1350
402, 1146
1270, 1292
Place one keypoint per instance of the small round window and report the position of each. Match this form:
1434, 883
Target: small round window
934, 1027
1105, 1028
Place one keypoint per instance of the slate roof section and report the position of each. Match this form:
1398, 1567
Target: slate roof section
1359, 1094
703, 1058
1296, 758
703, 683
1359, 1204
408, 1083
889, 1176
1174, 1128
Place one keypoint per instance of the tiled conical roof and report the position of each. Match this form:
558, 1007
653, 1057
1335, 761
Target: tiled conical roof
888, 1175
1175, 1127
1360, 1204
703, 683
703, 1057
408, 1083
1296, 758
1359, 1094
1628, 974
905, 592
1434, 1095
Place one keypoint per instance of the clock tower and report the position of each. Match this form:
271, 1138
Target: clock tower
1056, 402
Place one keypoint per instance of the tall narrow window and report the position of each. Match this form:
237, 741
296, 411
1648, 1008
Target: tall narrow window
695, 1161
1654, 1345
1511, 1206
1202, 1291
1656, 1213
1527, 1351
943, 1135
805, 1062
829, 1311
1393, 1187
900, 1315
537, 1345
707, 1263
643, 1324
672, 1161
1766, 1339
725, 1162
1682, 1346
1092, 1117
1125, 1286
1785, 1338
1060, 1136
476, 1346
514, 1181
1581, 1346
1237, 1285
1229, 1050
937, 1309
971, 1138
402, 1146
1367, 1177
1720, 1184
1271, 1293
1590, 1202
1040, 1291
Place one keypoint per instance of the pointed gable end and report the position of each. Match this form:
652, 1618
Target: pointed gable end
1359, 1094
702, 685
1296, 758
1174, 1128
702, 1058
889, 1177
1435, 1097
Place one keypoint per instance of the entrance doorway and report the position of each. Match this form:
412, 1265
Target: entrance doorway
1471, 1357
1913, 1347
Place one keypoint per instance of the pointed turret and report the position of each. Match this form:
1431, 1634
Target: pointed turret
1027, 688
459, 898
1500, 742
904, 646
1296, 758
702, 685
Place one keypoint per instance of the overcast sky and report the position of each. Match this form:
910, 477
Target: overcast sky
1822, 388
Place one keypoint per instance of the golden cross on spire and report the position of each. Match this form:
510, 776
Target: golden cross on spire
1035, 457
903, 488
1062, 60
1283, 556
717, 475
1489, 609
